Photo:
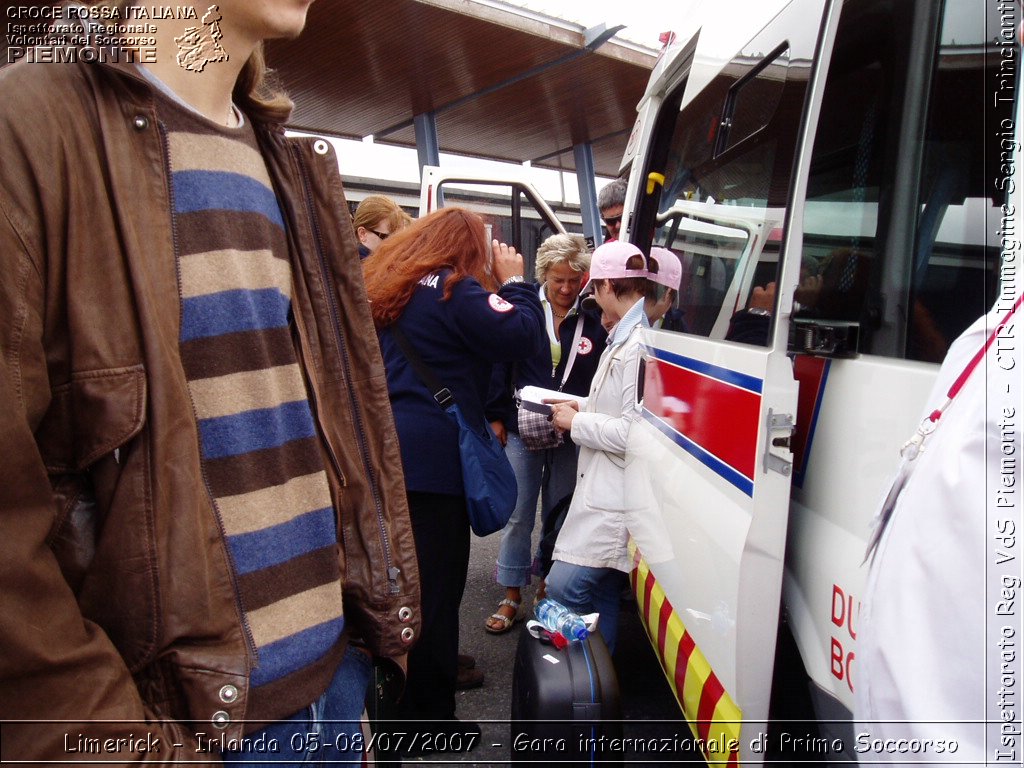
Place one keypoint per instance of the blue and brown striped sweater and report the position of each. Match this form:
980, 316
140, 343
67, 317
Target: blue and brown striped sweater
258, 441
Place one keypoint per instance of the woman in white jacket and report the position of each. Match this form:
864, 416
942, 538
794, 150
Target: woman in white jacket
591, 558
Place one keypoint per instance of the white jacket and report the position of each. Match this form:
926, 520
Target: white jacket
943, 588
594, 532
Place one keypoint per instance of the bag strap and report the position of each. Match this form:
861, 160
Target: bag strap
575, 348
577, 335
441, 394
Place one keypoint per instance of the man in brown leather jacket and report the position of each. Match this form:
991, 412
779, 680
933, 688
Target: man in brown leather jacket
203, 524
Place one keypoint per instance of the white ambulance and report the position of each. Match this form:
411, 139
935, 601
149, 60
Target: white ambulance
854, 155
857, 155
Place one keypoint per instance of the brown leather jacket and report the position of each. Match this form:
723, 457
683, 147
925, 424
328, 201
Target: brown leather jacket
116, 596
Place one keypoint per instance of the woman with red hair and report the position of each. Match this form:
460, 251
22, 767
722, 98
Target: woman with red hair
462, 305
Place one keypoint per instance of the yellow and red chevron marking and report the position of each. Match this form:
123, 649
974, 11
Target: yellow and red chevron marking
713, 716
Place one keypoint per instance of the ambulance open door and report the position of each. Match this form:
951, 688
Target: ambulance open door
708, 471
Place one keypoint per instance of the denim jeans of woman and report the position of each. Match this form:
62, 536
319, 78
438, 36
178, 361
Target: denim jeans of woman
549, 474
583, 589
327, 732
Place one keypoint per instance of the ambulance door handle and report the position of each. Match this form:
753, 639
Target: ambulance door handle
778, 429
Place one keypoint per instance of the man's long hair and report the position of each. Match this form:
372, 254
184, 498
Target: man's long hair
257, 91
259, 94
452, 238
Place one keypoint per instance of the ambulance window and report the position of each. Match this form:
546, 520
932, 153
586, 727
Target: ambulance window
727, 158
954, 274
903, 178
753, 100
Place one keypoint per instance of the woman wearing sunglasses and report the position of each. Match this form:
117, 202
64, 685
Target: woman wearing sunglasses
377, 217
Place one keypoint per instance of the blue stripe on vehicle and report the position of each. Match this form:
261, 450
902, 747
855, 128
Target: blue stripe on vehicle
819, 397
709, 460
737, 379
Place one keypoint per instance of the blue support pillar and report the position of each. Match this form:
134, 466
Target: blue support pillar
583, 154
425, 125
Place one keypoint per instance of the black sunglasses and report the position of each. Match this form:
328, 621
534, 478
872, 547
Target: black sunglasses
381, 235
613, 221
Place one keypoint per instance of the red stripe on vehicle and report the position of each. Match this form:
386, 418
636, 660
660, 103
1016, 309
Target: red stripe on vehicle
809, 372
648, 586
686, 646
709, 698
663, 617
721, 418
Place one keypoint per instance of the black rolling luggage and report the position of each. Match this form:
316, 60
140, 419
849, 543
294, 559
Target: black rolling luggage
382, 711
565, 703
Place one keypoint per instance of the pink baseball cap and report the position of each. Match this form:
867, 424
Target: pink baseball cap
670, 269
609, 261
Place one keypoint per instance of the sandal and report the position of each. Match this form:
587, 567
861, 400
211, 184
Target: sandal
541, 593
506, 621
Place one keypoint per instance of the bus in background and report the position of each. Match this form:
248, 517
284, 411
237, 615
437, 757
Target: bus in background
510, 204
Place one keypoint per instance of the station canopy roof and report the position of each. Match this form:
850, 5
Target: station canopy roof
502, 82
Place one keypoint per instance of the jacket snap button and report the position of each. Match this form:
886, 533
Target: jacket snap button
321, 147
221, 719
141, 122
407, 634
404, 613
228, 694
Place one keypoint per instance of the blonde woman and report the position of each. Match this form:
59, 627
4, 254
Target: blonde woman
561, 268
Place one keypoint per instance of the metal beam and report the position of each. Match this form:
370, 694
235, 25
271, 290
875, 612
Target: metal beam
561, 151
593, 39
583, 154
426, 139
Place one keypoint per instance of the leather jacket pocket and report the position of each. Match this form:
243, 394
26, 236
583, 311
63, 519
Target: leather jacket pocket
92, 415
102, 534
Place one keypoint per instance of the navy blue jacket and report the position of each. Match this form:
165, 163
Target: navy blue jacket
536, 371
749, 328
459, 340
674, 320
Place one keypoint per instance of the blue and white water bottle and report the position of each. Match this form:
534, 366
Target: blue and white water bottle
557, 618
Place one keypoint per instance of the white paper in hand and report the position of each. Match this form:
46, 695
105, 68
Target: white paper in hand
540, 394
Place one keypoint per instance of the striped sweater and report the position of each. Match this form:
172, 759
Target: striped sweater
257, 435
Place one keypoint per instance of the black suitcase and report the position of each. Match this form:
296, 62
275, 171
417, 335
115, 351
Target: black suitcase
565, 703
381, 711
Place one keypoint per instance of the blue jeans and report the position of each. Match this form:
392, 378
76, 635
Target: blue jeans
553, 472
589, 590
327, 732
